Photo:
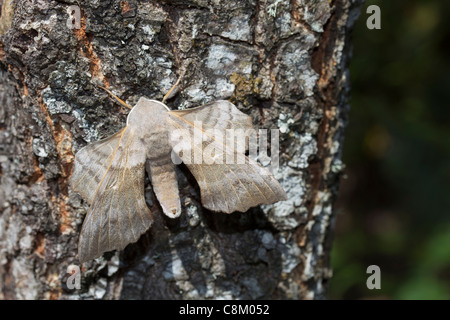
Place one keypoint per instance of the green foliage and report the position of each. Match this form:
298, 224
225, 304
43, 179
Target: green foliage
395, 203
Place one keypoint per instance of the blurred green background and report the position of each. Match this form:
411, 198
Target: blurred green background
394, 203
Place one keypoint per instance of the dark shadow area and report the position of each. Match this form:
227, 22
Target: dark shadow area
239, 252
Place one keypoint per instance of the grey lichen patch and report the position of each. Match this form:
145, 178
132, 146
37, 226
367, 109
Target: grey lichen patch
293, 62
272, 7
275, 23
307, 147
288, 214
28, 287
40, 148
27, 241
203, 92
337, 166
44, 26
314, 251
90, 132
192, 215
283, 23
290, 254
195, 94
238, 28
150, 32
266, 85
284, 120
221, 63
233, 26
192, 3
188, 29
54, 106
99, 290
154, 19
174, 270
113, 264
223, 60
11, 234
225, 89
316, 13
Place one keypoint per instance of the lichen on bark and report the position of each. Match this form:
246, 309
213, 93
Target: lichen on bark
282, 62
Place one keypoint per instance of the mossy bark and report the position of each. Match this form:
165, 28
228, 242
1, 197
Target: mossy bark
282, 62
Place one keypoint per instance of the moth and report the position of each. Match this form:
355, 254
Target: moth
110, 173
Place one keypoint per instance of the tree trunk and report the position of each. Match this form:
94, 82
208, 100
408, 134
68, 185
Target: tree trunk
282, 62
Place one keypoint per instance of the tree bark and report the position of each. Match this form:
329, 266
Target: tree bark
282, 62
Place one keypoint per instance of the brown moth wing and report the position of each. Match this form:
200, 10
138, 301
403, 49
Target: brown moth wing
118, 214
91, 163
218, 115
226, 187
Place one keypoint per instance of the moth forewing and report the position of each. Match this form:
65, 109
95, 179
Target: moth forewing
197, 142
91, 164
237, 184
118, 214
213, 153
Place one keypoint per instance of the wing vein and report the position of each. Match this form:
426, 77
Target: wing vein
92, 152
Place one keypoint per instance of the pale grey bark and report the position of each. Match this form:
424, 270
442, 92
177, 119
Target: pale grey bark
282, 62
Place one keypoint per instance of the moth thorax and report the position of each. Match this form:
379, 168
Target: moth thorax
148, 115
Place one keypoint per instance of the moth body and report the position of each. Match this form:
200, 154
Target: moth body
149, 120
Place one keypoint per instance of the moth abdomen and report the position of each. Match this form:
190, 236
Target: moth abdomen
164, 182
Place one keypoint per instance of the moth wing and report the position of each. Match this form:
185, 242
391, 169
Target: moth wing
118, 214
225, 187
236, 187
220, 115
91, 163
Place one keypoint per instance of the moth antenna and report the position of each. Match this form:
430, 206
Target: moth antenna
173, 87
117, 98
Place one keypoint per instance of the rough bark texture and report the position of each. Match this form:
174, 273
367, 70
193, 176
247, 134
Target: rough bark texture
284, 62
